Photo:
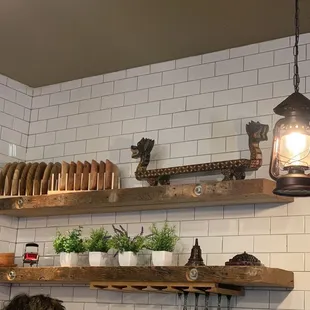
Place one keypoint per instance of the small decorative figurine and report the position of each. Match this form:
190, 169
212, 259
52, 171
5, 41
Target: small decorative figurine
31, 254
195, 258
244, 259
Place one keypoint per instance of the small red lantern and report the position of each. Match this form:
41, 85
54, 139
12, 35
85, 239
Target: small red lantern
31, 256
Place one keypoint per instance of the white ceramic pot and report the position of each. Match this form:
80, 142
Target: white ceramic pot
127, 259
69, 259
161, 258
98, 258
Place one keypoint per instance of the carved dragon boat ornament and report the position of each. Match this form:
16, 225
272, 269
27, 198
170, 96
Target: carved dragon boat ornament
231, 169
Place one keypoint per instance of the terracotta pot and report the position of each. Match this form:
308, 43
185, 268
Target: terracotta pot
7, 259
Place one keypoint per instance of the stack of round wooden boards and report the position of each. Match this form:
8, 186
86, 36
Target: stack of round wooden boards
20, 178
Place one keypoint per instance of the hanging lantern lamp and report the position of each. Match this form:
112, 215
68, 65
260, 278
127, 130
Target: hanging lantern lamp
290, 157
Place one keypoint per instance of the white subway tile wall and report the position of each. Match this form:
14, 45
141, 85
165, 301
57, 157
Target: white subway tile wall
195, 109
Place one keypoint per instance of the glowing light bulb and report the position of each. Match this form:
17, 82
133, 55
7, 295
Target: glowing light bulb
295, 144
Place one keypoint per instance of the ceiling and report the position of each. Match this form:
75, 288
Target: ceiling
51, 41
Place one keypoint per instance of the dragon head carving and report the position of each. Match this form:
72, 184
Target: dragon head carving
143, 151
257, 132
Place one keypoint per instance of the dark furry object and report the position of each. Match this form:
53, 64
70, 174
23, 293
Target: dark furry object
36, 302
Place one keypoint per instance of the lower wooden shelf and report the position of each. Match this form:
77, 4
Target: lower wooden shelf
226, 280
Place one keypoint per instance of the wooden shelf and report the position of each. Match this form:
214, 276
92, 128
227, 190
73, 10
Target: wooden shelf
228, 280
143, 198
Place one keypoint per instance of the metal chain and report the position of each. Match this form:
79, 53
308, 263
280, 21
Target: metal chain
296, 78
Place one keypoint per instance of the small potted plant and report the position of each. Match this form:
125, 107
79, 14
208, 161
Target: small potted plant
127, 247
97, 245
69, 246
162, 243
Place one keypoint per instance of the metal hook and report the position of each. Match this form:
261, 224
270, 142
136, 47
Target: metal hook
207, 296
185, 300
228, 301
196, 300
219, 300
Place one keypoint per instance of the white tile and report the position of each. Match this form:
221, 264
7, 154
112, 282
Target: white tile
210, 146
111, 155
265, 107
226, 97
256, 61
8, 234
23, 100
160, 93
244, 50
243, 79
14, 109
218, 259
257, 92
175, 76
121, 142
72, 148
229, 66
304, 68
147, 109
163, 66
60, 97
67, 135
153, 216
274, 44
287, 225
239, 211
228, 128
77, 120
87, 132
90, 105
275, 243
172, 105
214, 84
185, 118
59, 123
68, 109
62, 293
285, 56
193, 160
215, 56
287, 300
128, 217
237, 244
298, 243
45, 138
106, 218
198, 132
11, 136
159, 122
288, 261
188, 61
273, 74
135, 97
6, 120
181, 149
194, 229
150, 80
213, 114
7, 93
48, 113
242, 110
97, 79
210, 244
138, 71
34, 115
25, 235
171, 135
134, 125
99, 117
57, 221
110, 129
118, 75
223, 227
71, 85
180, 214
256, 299
300, 206
80, 93
254, 226
199, 101
237, 143
37, 127
34, 153
123, 113
102, 89
135, 298
201, 72
121, 86
225, 156
186, 88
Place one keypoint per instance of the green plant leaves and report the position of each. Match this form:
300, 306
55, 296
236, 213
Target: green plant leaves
98, 241
71, 242
163, 239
